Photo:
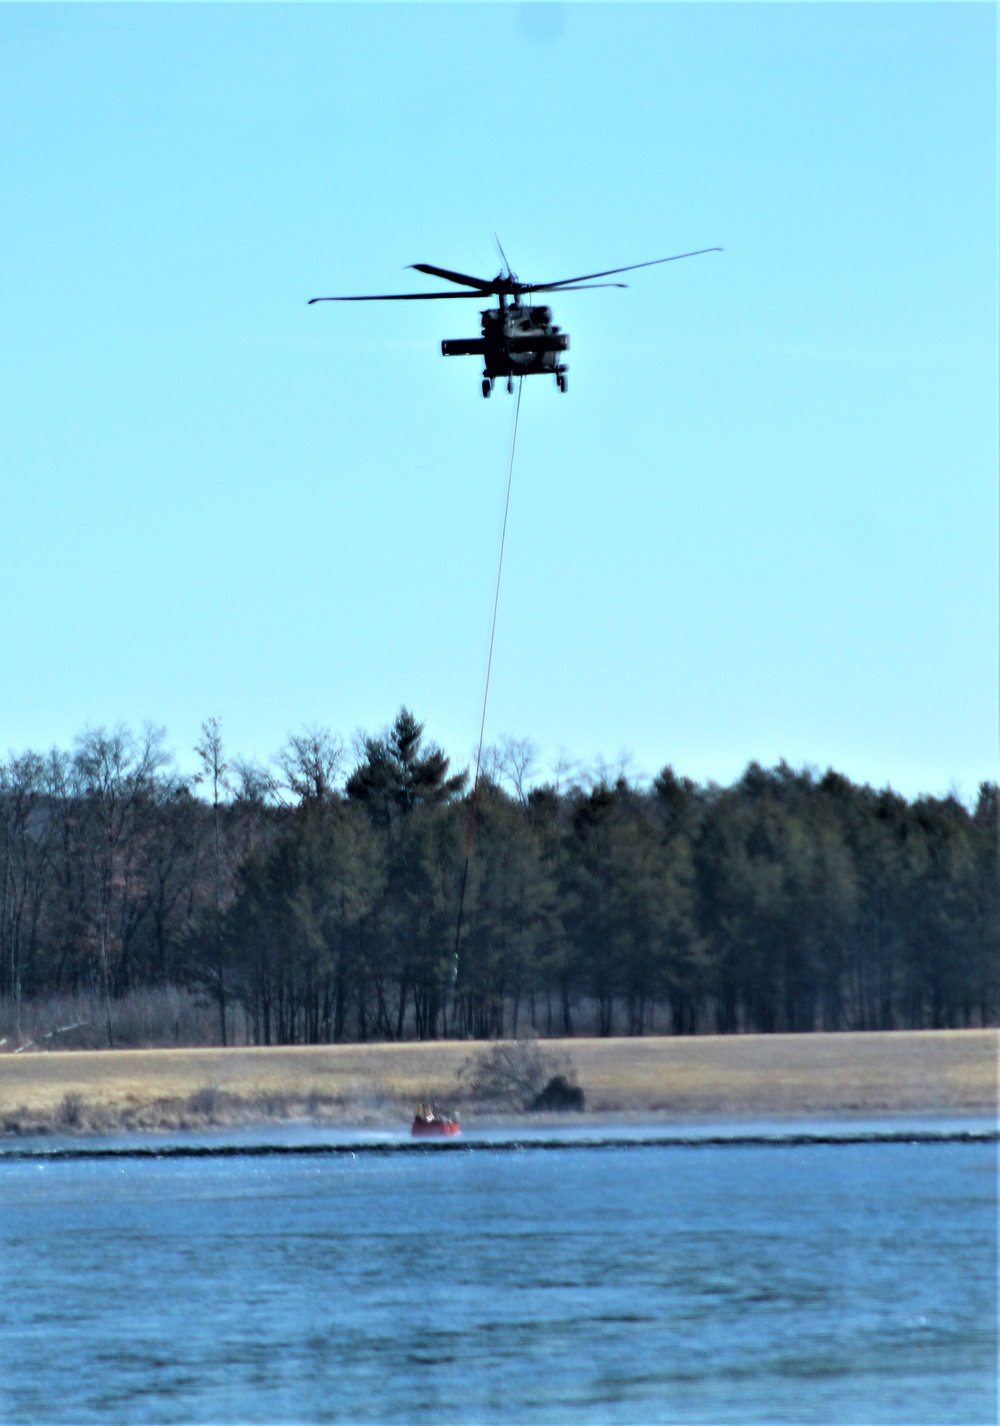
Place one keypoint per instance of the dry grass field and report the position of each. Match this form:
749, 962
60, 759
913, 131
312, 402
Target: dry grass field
910, 1072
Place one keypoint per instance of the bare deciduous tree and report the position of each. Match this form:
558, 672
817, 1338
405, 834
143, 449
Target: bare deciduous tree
310, 763
115, 774
215, 770
25, 867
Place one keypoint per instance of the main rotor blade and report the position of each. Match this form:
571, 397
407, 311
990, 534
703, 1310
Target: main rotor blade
552, 286
399, 297
563, 287
484, 284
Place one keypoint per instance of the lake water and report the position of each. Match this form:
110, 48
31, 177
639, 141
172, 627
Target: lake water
763, 1281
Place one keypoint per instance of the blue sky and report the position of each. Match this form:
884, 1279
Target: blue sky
761, 524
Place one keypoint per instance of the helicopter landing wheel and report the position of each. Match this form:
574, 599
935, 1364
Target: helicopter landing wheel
487, 386
510, 386
561, 381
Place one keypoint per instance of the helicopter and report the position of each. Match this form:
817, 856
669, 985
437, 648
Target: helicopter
518, 339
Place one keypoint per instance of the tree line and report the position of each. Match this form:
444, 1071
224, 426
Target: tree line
318, 896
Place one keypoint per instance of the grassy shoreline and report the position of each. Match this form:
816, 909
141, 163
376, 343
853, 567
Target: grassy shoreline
873, 1073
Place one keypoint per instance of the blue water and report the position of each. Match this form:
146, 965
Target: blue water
833, 1283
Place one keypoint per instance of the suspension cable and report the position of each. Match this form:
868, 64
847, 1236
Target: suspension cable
486, 692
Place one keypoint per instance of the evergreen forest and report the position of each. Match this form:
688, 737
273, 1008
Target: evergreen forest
316, 898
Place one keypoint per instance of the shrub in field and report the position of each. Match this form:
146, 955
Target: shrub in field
205, 1101
514, 1073
560, 1094
71, 1111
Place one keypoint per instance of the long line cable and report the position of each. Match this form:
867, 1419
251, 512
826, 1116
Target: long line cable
486, 691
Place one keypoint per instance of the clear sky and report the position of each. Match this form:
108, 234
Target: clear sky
763, 521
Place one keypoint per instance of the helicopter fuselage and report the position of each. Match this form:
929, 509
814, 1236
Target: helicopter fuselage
517, 340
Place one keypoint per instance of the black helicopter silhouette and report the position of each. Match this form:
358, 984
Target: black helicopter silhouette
517, 340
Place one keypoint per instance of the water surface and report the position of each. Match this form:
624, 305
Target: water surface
818, 1282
